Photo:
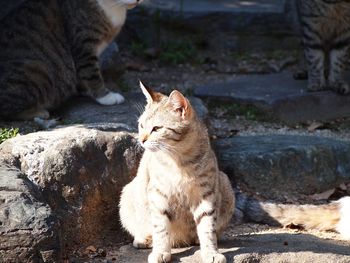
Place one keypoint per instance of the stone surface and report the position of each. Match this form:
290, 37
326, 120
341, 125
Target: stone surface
279, 165
249, 243
28, 230
79, 172
280, 96
124, 116
206, 6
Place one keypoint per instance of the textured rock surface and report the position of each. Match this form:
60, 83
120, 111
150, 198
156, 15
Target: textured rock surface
275, 165
250, 243
27, 226
200, 6
280, 96
79, 173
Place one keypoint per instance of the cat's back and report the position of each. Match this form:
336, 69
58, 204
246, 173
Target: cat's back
34, 50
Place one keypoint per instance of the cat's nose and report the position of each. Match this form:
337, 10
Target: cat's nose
143, 138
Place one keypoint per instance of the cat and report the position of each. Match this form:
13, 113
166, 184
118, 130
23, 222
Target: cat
179, 197
325, 29
49, 52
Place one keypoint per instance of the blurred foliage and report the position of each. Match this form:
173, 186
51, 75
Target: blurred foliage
7, 133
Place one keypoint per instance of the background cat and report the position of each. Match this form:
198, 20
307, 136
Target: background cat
49, 51
324, 26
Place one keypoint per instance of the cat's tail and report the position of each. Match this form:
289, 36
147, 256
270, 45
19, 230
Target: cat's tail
334, 216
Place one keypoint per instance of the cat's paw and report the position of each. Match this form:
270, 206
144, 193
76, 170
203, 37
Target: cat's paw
311, 86
110, 99
341, 87
156, 257
213, 258
142, 243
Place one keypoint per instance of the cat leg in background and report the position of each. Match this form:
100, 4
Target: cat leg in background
316, 67
92, 84
338, 59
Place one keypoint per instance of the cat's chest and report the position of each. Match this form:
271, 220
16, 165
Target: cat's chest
114, 12
178, 184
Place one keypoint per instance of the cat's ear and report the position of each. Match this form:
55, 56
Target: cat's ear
150, 95
147, 92
180, 104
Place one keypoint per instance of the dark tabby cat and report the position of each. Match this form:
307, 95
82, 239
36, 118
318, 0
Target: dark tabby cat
325, 29
49, 51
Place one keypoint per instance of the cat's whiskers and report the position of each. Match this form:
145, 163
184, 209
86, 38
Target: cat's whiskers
138, 107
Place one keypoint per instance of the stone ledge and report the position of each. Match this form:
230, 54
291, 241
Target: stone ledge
279, 165
280, 96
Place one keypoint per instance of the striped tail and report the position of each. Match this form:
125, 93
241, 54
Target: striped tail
334, 216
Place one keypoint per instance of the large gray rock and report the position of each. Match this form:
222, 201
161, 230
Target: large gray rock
279, 165
28, 230
280, 96
79, 173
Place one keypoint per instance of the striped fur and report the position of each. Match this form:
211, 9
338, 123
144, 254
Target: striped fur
179, 196
49, 52
334, 216
325, 29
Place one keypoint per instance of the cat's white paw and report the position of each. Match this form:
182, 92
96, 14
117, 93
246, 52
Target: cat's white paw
111, 98
155, 257
142, 243
213, 258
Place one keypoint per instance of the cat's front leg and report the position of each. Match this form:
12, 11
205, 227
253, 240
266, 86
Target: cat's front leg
205, 216
338, 60
160, 217
91, 82
316, 60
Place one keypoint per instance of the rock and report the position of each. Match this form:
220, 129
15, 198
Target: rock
252, 243
108, 56
279, 165
79, 172
28, 229
280, 96
237, 25
227, 6
121, 117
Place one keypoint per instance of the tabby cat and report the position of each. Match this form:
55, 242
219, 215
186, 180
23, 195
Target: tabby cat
49, 51
179, 197
325, 29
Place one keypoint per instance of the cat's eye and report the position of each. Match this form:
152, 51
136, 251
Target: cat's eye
156, 128
141, 125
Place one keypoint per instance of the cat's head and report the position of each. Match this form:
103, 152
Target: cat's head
166, 120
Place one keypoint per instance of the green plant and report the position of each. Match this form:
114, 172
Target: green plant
7, 133
178, 52
138, 48
234, 109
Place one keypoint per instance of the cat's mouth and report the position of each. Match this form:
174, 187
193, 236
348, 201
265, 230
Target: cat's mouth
149, 146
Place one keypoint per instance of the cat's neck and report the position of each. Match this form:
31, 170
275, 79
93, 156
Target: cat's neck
188, 151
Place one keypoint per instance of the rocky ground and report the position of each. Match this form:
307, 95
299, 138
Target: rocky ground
72, 174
